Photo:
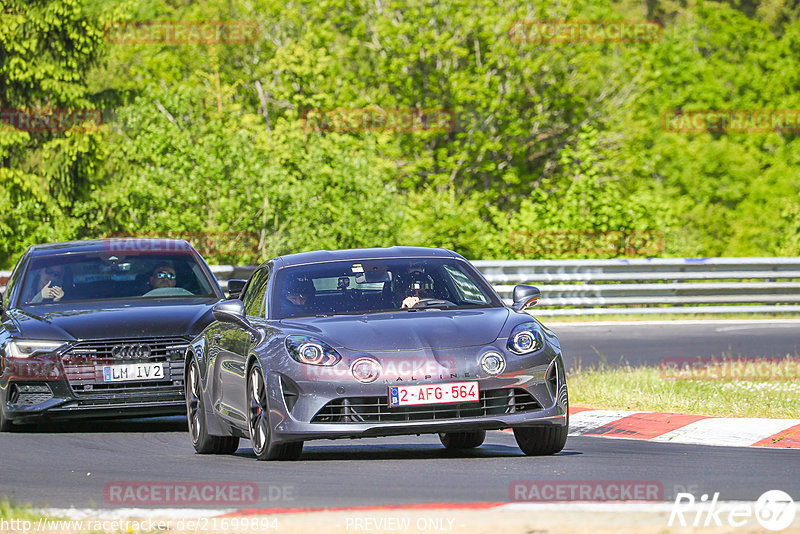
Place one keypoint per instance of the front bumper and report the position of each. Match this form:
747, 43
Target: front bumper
29, 401
298, 431
70, 383
531, 392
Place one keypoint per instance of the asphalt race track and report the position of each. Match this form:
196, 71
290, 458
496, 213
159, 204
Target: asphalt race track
647, 343
70, 464
72, 467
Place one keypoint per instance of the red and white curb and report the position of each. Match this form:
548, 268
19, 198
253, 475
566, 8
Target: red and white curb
687, 429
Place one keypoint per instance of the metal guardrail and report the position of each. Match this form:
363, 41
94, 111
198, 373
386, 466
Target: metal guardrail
647, 286
641, 286
226, 272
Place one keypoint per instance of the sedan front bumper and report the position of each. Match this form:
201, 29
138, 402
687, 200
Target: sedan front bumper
302, 410
28, 401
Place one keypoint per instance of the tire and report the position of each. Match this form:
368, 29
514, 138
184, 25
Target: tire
5, 424
542, 440
196, 416
258, 422
463, 440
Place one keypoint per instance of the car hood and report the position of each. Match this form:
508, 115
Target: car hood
406, 330
120, 319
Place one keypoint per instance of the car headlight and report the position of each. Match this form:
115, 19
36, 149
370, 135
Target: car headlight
28, 347
526, 338
311, 351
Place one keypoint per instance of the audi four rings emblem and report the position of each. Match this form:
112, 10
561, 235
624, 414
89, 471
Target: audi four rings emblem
130, 352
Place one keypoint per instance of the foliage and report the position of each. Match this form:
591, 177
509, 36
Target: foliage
547, 138
46, 50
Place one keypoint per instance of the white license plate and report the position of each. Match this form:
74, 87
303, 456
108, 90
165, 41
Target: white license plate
433, 394
133, 371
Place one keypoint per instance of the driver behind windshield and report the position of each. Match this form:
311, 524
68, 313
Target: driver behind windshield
298, 296
419, 287
164, 282
163, 276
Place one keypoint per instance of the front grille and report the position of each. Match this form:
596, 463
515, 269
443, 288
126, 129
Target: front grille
152, 394
84, 363
376, 409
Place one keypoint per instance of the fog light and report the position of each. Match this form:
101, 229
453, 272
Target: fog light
493, 363
365, 370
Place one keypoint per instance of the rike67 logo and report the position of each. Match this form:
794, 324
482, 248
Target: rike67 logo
774, 510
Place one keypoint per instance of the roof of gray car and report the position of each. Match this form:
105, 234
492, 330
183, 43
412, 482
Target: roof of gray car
319, 256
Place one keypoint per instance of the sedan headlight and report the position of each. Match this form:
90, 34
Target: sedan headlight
311, 351
28, 347
526, 338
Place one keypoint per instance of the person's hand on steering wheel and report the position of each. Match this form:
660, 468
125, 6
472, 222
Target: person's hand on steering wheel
410, 302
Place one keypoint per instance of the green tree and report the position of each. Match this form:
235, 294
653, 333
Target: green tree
46, 50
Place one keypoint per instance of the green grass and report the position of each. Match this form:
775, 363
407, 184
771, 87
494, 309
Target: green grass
10, 510
644, 389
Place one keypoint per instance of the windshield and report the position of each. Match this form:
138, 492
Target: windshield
100, 276
357, 287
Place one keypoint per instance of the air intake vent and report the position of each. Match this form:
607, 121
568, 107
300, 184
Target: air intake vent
376, 409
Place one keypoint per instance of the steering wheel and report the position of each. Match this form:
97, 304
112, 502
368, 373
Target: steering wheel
432, 303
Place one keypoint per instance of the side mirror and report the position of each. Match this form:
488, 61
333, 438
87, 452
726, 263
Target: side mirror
232, 311
235, 287
525, 296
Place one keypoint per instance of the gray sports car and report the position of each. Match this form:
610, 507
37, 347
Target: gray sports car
373, 342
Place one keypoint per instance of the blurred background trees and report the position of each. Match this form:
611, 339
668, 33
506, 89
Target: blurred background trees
546, 137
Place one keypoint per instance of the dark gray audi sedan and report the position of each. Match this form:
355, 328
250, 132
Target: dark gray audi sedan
373, 342
100, 328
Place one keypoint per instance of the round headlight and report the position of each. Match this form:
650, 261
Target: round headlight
526, 338
311, 353
493, 363
524, 341
365, 370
